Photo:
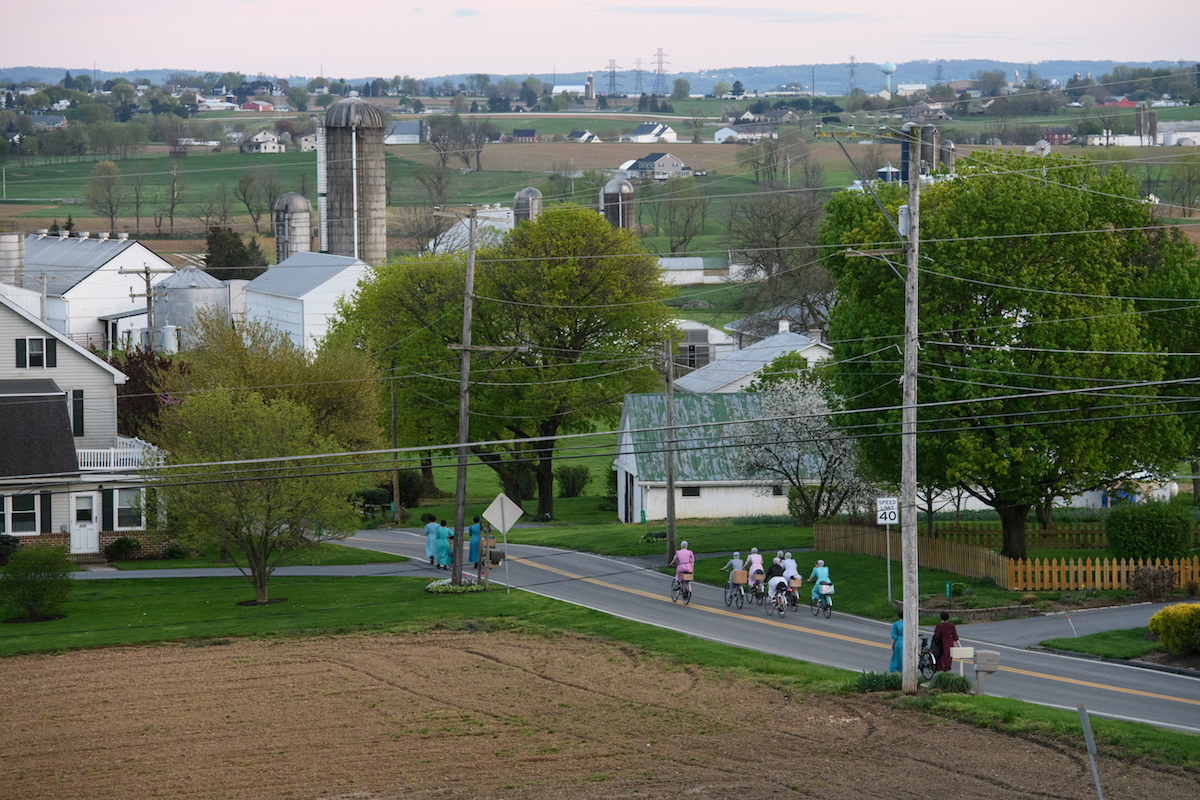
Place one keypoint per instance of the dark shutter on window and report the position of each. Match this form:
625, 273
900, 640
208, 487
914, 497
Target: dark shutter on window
106, 516
21, 364
51, 352
77, 412
47, 525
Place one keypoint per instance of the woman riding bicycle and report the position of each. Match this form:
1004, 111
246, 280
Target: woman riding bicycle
684, 562
820, 574
776, 583
733, 565
754, 566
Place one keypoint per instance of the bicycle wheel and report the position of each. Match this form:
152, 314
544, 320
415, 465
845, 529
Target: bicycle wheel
815, 606
925, 665
674, 591
729, 593
686, 592
740, 597
828, 606
760, 594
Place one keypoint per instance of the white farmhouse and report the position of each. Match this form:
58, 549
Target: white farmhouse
650, 132
738, 370
298, 295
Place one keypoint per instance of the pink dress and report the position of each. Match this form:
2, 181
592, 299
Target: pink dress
685, 561
754, 563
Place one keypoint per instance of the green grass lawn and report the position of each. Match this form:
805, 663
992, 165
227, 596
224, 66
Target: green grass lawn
324, 554
1129, 643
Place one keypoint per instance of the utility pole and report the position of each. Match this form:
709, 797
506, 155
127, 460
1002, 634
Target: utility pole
395, 453
145, 272
464, 390
668, 374
908, 432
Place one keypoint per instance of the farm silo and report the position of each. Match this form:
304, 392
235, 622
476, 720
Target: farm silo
527, 204
292, 219
353, 219
179, 298
616, 203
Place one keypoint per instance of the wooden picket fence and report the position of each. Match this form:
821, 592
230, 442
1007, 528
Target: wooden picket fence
1063, 536
957, 557
1051, 574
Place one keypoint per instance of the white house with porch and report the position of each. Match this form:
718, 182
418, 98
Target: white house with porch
66, 476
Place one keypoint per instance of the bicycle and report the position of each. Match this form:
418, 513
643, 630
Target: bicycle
756, 591
682, 588
821, 603
735, 593
778, 602
793, 596
925, 662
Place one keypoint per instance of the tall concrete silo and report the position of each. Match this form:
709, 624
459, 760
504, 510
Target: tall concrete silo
353, 219
616, 203
527, 204
292, 219
12, 258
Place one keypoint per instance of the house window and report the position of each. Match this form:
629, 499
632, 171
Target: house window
691, 491
20, 514
36, 353
777, 490
84, 512
129, 508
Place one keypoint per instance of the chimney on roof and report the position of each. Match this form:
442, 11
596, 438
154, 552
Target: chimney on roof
783, 325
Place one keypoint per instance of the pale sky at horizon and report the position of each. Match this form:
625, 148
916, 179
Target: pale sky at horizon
300, 37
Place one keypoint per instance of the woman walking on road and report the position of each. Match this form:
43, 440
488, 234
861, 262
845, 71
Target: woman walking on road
897, 662
431, 529
443, 546
945, 636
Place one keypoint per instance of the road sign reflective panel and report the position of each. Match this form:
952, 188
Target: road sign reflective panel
887, 510
502, 513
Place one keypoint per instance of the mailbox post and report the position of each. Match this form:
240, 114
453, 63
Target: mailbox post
986, 662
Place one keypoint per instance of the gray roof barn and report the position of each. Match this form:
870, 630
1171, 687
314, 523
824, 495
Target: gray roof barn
301, 273
740, 366
67, 261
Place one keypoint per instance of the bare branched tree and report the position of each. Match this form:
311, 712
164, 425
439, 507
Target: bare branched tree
247, 190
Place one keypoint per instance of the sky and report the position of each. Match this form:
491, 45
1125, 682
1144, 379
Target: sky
366, 38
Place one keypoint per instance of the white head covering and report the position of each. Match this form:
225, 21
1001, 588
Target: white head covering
788, 556
820, 563
753, 549
683, 545
736, 554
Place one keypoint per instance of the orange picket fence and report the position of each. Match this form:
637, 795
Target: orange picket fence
1049, 574
956, 557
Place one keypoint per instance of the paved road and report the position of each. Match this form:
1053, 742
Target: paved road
637, 592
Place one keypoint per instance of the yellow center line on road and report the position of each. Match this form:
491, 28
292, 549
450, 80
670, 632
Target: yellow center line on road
852, 639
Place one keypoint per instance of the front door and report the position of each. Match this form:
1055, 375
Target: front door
85, 522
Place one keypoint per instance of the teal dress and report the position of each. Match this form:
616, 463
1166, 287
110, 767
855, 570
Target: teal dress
819, 575
897, 662
473, 556
443, 547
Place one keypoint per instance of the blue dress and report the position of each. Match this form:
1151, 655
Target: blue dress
431, 529
473, 556
443, 546
820, 574
897, 662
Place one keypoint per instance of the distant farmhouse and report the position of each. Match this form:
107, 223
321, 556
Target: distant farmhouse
407, 131
649, 132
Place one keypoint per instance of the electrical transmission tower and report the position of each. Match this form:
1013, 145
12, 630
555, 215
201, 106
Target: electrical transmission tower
637, 77
660, 74
851, 74
614, 77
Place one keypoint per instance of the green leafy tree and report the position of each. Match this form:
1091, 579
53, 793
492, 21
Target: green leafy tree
298, 98
262, 511
37, 580
1037, 379
227, 257
140, 398
105, 191
720, 89
564, 298
681, 91
737, 89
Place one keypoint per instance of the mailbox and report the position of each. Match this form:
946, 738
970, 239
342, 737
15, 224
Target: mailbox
495, 556
986, 662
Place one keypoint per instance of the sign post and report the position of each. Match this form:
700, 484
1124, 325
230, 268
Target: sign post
503, 514
887, 514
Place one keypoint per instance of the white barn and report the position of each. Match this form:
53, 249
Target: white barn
738, 370
298, 295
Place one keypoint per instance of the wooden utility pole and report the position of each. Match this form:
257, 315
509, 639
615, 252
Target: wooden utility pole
395, 453
908, 432
669, 376
464, 390
145, 272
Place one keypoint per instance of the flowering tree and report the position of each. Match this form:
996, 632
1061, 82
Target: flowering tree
794, 441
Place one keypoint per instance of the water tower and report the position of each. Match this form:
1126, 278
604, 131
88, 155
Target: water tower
887, 68
350, 181
292, 219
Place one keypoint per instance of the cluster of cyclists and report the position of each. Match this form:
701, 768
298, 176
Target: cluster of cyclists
777, 583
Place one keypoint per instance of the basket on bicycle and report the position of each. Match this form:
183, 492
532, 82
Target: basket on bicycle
825, 588
795, 583
687, 576
739, 576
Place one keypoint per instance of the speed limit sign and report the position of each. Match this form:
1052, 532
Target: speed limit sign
887, 510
